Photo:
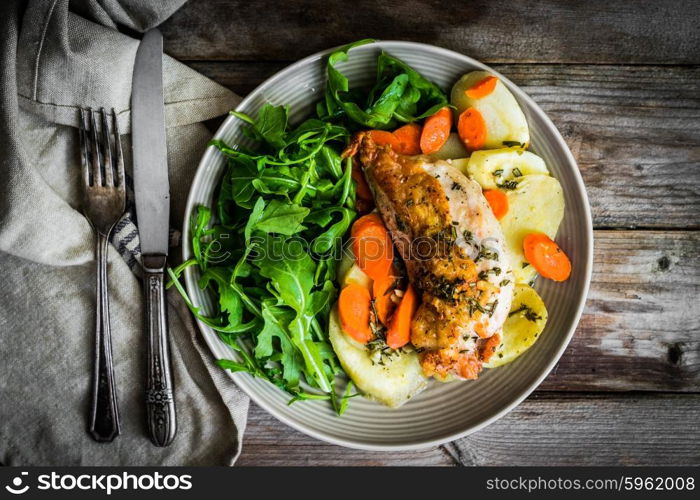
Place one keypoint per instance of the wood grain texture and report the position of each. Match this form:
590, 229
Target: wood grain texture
589, 430
597, 31
549, 429
621, 81
267, 442
635, 131
640, 330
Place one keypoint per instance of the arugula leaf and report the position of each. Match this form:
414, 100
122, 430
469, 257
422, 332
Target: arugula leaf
289, 269
255, 216
270, 124
275, 326
241, 174
282, 218
229, 301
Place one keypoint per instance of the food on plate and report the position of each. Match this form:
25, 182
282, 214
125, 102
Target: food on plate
391, 377
488, 115
546, 256
535, 205
500, 168
453, 148
498, 201
526, 321
453, 249
392, 238
435, 132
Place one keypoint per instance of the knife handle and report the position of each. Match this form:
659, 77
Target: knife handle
160, 398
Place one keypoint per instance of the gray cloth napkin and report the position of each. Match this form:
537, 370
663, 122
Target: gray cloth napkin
58, 55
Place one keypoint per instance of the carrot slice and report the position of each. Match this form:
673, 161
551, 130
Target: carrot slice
498, 201
385, 138
436, 131
363, 190
546, 257
365, 201
472, 129
372, 246
409, 139
399, 332
382, 290
482, 88
354, 309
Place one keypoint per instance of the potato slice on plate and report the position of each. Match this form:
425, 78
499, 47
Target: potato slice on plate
390, 379
349, 272
525, 323
536, 205
453, 148
504, 120
492, 168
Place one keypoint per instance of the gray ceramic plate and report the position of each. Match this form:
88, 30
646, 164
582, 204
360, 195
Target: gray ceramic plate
444, 411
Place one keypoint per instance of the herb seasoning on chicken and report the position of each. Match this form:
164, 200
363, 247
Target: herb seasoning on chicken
453, 248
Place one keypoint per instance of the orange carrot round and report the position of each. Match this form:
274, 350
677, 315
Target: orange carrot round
372, 246
382, 290
546, 257
482, 88
498, 201
354, 310
472, 129
385, 138
436, 131
409, 139
399, 332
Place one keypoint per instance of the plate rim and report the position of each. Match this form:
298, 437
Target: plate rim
239, 378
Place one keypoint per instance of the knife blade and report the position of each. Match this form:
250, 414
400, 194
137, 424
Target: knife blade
152, 197
151, 186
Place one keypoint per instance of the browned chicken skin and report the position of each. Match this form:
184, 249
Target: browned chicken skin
417, 212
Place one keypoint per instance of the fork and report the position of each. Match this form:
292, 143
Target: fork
104, 202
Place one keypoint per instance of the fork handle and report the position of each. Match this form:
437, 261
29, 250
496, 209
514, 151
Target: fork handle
104, 414
160, 400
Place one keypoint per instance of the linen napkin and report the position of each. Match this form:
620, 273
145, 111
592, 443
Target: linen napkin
58, 55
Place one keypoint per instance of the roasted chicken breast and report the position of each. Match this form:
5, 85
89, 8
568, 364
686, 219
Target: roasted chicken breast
454, 252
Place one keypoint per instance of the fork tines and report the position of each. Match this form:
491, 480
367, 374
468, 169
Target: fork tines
101, 153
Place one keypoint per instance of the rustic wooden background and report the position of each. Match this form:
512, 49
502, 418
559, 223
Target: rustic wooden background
621, 80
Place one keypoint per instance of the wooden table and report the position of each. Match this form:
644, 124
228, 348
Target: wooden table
621, 81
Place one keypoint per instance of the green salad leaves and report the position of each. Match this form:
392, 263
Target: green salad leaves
269, 244
399, 95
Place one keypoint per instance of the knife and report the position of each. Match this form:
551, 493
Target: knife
152, 194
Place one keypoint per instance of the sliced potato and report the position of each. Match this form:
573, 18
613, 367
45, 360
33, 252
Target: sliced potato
392, 383
535, 206
358, 276
350, 272
523, 326
453, 148
505, 121
493, 167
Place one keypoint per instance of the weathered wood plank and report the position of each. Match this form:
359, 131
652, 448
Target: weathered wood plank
640, 330
635, 132
547, 429
597, 31
267, 442
589, 430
